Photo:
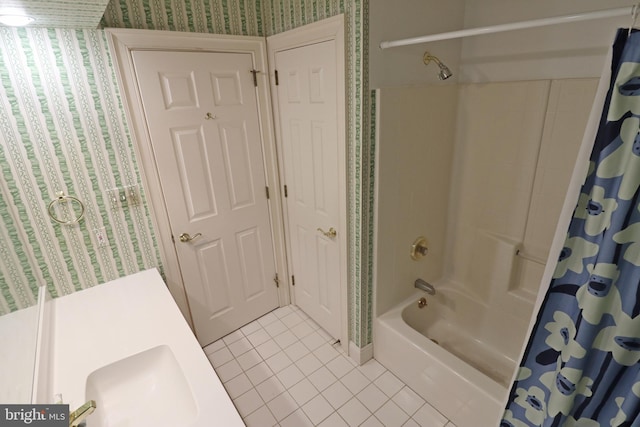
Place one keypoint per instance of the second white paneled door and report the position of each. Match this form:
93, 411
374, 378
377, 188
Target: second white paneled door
308, 105
203, 119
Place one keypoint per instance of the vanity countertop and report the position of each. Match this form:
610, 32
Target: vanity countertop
96, 327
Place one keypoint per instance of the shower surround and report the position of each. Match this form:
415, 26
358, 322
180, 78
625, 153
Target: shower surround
482, 171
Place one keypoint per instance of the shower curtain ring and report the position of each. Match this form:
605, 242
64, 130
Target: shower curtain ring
634, 14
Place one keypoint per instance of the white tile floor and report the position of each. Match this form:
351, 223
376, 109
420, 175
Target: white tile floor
282, 370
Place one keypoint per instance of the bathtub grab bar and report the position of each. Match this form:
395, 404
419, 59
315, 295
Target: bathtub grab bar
531, 258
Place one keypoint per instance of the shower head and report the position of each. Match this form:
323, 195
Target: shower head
444, 72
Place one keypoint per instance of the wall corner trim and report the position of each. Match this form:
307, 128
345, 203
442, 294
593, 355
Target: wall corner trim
360, 355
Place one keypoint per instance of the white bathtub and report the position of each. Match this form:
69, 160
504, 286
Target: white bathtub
466, 376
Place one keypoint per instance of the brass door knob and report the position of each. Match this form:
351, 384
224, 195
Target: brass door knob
186, 238
330, 234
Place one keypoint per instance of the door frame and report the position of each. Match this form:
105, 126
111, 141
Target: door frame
330, 29
122, 43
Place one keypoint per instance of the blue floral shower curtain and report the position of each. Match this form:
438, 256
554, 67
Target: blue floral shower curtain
581, 367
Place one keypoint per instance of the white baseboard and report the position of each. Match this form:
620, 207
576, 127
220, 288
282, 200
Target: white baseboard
360, 355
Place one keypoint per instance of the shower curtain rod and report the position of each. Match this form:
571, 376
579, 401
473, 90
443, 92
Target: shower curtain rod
609, 13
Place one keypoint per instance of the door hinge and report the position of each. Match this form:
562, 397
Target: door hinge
286, 191
267, 190
293, 280
277, 79
173, 239
276, 280
255, 77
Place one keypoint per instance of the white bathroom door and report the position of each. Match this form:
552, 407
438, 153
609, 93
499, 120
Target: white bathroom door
202, 115
307, 105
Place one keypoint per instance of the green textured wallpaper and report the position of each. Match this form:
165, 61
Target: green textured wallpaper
284, 15
63, 128
238, 17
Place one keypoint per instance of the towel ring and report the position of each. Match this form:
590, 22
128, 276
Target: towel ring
64, 199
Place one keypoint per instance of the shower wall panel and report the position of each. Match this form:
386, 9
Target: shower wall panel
499, 129
415, 149
516, 149
568, 109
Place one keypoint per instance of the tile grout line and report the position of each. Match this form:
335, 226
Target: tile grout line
262, 326
259, 326
299, 339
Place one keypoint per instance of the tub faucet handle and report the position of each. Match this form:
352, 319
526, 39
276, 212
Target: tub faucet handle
419, 248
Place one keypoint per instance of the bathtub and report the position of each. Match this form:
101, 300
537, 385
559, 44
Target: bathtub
455, 353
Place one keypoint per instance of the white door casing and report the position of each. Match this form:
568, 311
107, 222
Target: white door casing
124, 43
309, 108
202, 117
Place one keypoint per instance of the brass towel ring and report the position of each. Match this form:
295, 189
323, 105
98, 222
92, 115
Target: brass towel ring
61, 199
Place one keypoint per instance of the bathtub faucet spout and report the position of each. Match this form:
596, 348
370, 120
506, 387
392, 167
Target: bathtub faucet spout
425, 286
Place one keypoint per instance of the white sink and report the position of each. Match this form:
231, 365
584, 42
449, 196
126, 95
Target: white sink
148, 388
126, 345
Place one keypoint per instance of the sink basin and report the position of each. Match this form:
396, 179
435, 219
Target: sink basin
145, 389
137, 358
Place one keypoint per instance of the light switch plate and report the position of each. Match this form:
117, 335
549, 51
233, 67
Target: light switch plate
113, 194
133, 195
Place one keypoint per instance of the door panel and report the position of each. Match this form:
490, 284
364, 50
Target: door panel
226, 89
213, 268
178, 90
202, 114
194, 171
236, 152
307, 103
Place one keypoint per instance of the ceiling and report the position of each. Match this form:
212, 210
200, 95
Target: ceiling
59, 13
